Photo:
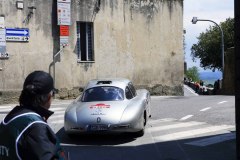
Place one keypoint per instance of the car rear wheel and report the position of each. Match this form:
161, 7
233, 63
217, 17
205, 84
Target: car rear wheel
140, 133
72, 135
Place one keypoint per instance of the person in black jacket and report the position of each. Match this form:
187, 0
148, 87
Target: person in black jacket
24, 132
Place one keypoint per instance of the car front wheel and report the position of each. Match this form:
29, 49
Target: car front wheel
141, 132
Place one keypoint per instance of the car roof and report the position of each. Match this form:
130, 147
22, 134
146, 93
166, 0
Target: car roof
117, 82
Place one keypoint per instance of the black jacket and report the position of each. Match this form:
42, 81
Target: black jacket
39, 141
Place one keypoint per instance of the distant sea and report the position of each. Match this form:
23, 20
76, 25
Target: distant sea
210, 77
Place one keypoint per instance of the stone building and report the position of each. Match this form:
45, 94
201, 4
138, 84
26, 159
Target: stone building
137, 39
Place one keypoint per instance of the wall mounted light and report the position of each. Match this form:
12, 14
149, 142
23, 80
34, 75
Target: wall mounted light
19, 4
31, 9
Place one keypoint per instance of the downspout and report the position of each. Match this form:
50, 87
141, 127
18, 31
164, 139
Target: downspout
53, 63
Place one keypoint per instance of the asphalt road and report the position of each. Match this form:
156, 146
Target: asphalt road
215, 110
190, 127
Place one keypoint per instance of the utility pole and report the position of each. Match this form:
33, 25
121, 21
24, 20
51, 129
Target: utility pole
237, 73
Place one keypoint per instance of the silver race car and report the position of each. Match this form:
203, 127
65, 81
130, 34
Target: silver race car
108, 105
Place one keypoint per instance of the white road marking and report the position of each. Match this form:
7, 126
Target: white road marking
56, 116
150, 121
190, 90
222, 102
175, 126
186, 117
9, 108
205, 109
213, 140
161, 97
57, 109
6, 110
70, 145
61, 121
63, 103
192, 133
204, 130
53, 104
5, 107
59, 112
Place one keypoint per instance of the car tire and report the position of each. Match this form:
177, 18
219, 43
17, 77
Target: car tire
141, 132
72, 136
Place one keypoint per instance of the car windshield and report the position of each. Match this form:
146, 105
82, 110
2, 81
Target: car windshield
103, 93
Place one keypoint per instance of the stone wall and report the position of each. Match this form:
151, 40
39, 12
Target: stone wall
11, 97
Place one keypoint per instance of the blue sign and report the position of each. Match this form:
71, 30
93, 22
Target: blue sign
17, 32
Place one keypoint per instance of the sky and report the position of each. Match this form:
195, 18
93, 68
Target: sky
215, 10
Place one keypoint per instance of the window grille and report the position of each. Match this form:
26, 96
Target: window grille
85, 49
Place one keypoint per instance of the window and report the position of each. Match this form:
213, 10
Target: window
103, 93
85, 41
128, 93
132, 88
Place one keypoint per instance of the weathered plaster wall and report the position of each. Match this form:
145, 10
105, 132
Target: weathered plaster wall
137, 39
26, 56
140, 40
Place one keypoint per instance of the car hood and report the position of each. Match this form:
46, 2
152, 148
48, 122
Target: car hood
110, 112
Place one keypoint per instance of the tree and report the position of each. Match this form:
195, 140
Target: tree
192, 73
208, 48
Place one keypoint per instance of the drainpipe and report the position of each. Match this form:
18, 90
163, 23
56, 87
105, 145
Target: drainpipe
54, 61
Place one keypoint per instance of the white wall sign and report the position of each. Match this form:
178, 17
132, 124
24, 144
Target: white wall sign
2, 22
17, 34
63, 40
64, 13
2, 41
17, 39
62, 1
